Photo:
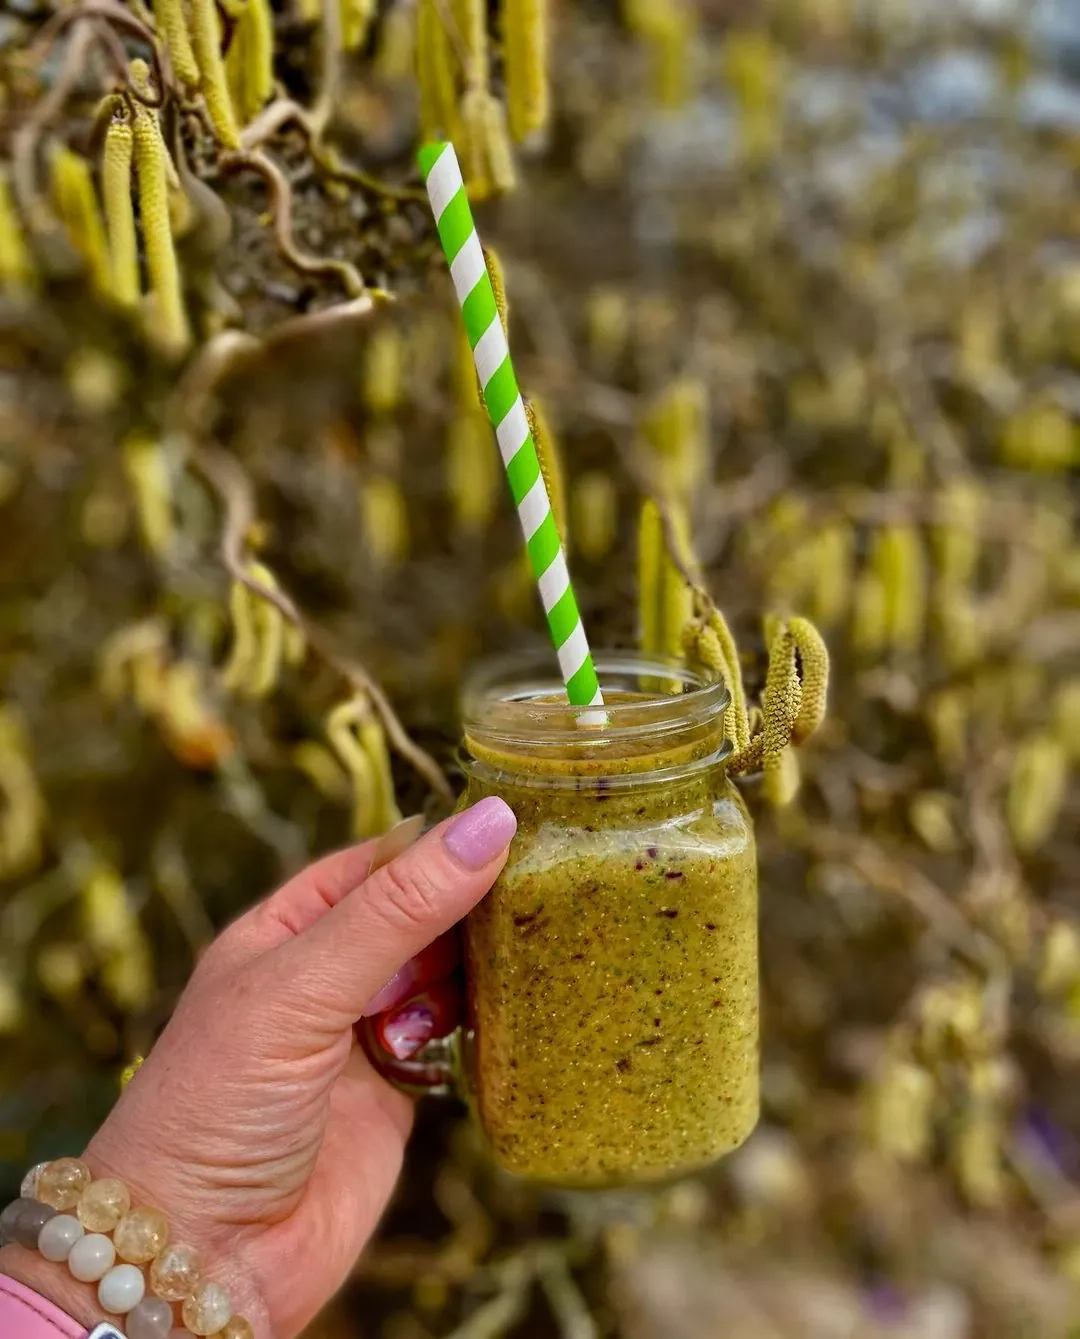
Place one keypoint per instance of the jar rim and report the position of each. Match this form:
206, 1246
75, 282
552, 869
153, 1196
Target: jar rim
518, 700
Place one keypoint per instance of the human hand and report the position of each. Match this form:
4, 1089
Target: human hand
256, 1124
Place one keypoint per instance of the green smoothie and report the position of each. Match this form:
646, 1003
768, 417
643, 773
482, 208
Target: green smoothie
612, 970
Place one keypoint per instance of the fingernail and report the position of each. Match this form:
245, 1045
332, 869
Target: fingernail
404, 1033
400, 837
399, 987
478, 835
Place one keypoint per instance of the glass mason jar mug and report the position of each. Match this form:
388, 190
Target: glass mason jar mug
611, 1034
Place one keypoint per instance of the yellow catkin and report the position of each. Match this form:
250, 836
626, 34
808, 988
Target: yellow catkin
1066, 717
358, 740
525, 62
948, 714
12, 1009
956, 547
61, 970
435, 75
1041, 437
382, 371
668, 28
395, 55
737, 715
900, 1106
384, 520
780, 545
665, 600
831, 557
16, 266
975, 1148
148, 474
244, 651
594, 511
295, 645
899, 562
956, 542
547, 452
753, 69
869, 626
673, 48
108, 918
713, 645
678, 596
813, 678
22, 807
172, 26
116, 187
249, 63
365, 795
497, 275
487, 159
608, 322
472, 150
466, 383
356, 17
322, 769
206, 38
471, 19
76, 203
651, 557
259, 22
472, 468
1059, 960
961, 627
498, 154
269, 635
116, 938
189, 725
261, 641
931, 815
169, 317
129, 1071
676, 428
236, 72
373, 741
781, 701
1036, 791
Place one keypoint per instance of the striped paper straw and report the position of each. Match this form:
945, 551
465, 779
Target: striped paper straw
505, 408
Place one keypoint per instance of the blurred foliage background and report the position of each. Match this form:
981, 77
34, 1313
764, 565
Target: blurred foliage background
807, 272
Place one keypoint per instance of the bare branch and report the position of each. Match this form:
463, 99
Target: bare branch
232, 486
281, 204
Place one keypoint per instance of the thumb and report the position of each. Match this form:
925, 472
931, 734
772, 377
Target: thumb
326, 976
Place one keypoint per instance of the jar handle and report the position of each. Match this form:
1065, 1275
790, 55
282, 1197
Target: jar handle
433, 1071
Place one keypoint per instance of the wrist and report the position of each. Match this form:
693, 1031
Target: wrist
152, 1255
53, 1282
162, 1185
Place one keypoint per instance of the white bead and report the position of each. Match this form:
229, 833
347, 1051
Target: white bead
121, 1289
92, 1257
30, 1180
58, 1236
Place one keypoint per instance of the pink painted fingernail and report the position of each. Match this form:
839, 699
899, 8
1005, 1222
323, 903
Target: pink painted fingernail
398, 988
481, 833
404, 1033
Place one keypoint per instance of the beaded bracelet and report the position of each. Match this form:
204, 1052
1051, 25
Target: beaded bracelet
90, 1225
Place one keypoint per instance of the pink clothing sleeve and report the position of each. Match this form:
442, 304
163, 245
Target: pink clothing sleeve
24, 1314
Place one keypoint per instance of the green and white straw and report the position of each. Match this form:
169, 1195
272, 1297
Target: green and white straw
491, 354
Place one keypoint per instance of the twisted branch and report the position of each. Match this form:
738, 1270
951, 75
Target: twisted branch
233, 487
281, 204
